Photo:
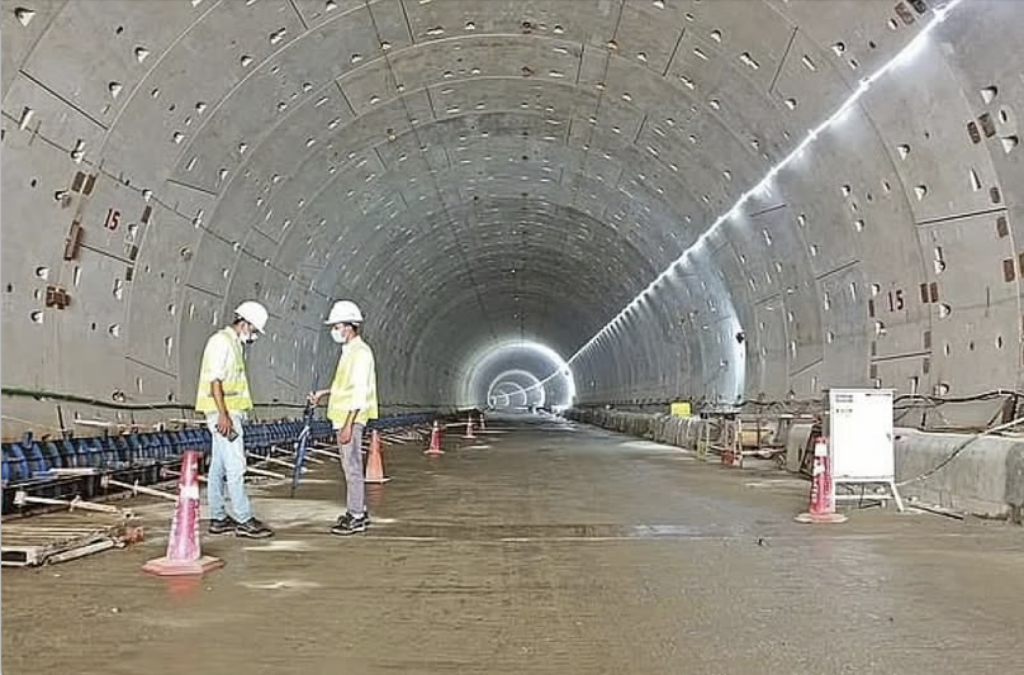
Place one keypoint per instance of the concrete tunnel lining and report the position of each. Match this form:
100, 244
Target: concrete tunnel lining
295, 155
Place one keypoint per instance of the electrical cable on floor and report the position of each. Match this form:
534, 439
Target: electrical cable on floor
959, 449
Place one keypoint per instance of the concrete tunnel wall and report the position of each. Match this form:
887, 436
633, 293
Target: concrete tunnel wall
478, 171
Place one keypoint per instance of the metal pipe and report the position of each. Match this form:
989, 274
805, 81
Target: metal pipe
21, 499
272, 460
137, 489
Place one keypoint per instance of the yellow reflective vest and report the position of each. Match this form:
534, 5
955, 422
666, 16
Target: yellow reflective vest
355, 385
235, 384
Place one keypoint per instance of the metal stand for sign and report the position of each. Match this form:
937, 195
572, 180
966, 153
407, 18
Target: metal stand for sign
860, 433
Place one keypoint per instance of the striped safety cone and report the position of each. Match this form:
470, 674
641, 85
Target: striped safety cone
435, 441
375, 461
822, 507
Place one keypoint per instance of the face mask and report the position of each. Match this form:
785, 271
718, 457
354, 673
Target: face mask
250, 337
338, 335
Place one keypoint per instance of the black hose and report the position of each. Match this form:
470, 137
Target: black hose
959, 448
40, 395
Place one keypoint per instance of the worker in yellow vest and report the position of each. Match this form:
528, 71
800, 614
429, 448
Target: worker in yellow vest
224, 397
352, 404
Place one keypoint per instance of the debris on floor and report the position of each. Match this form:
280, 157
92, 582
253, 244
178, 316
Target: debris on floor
52, 538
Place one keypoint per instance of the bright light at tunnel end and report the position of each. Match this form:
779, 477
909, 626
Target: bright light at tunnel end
909, 51
559, 366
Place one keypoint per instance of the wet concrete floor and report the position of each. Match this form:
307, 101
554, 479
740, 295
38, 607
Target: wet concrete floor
550, 548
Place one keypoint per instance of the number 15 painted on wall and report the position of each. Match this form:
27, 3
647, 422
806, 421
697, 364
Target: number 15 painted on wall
113, 219
896, 302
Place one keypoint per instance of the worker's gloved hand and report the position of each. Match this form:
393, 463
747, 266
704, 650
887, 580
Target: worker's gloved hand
224, 425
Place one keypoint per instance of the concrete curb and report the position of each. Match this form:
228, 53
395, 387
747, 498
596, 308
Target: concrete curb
985, 478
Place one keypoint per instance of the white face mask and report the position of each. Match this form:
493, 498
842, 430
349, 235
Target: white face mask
250, 336
338, 335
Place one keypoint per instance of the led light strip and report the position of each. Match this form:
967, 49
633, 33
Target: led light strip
908, 51
764, 185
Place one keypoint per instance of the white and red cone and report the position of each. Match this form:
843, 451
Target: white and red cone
822, 507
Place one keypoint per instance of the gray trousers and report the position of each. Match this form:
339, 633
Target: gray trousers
351, 458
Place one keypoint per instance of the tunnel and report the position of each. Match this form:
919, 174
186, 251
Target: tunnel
714, 200
599, 246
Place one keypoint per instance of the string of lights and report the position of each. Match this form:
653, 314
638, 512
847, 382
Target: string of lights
911, 49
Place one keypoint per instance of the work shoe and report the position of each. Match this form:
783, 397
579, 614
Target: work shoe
253, 529
346, 516
348, 524
223, 525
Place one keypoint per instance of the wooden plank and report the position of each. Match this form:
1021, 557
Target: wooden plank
81, 551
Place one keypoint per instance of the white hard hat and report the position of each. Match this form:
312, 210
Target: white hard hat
254, 313
344, 311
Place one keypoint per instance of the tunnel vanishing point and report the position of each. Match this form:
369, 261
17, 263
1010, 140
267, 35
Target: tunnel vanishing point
629, 201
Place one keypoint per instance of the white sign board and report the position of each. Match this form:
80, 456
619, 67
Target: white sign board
860, 435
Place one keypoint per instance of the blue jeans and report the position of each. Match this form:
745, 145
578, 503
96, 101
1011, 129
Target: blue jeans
227, 465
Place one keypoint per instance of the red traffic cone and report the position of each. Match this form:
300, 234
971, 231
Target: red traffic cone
184, 556
435, 441
375, 461
822, 507
469, 428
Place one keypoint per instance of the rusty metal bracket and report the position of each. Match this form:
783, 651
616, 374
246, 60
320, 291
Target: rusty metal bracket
73, 242
57, 297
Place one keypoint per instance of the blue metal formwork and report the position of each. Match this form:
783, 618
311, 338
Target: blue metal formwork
111, 454
124, 451
138, 456
179, 441
150, 448
36, 460
16, 464
167, 448
97, 452
68, 456
135, 449
82, 453
52, 454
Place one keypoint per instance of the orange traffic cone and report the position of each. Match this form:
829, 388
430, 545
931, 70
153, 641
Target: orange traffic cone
183, 553
469, 428
435, 441
375, 461
822, 507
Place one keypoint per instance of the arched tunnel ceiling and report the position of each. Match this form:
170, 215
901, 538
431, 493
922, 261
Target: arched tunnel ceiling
475, 171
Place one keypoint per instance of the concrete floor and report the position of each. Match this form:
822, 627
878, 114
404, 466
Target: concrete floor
557, 549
